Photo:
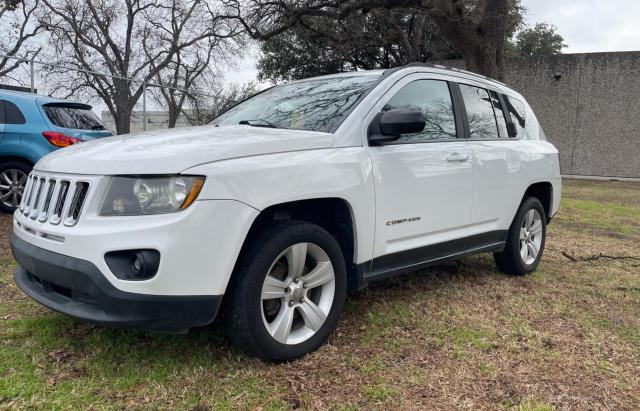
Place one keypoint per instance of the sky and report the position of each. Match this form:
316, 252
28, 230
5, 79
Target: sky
590, 25
586, 25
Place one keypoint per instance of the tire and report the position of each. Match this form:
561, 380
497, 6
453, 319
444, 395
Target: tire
13, 178
257, 309
525, 236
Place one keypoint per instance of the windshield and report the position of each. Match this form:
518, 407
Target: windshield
71, 115
317, 105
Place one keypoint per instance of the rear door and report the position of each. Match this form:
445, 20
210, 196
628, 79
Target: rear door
14, 124
423, 181
498, 161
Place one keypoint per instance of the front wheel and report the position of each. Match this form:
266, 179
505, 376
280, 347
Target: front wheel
525, 241
287, 294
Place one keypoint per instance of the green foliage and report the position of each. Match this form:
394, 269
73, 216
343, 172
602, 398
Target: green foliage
371, 39
380, 38
540, 40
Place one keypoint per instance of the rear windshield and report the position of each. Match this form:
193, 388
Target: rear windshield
319, 104
73, 116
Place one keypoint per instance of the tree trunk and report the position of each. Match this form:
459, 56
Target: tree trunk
480, 40
485, 60
174, 113
123, 105
123, 121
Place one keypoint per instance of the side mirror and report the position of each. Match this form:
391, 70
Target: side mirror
390, 125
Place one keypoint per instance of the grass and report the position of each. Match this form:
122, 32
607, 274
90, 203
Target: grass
566, 337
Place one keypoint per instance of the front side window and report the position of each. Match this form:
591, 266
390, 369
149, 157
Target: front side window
516, 111
433, 98
12, 114
482, 122
318, 105
69, 115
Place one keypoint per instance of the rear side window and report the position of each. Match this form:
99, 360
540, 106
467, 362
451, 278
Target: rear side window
482, 121
1, 111
516, 111
433, 98
75, 116
12, 114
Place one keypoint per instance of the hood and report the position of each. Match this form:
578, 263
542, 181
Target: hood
175, 150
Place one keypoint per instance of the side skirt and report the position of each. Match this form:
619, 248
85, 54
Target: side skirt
388, 266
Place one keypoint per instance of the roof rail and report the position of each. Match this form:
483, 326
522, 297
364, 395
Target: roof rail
441, 67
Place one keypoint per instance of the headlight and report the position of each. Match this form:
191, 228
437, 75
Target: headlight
150, 195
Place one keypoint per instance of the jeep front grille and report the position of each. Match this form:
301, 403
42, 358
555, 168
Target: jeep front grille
53, 198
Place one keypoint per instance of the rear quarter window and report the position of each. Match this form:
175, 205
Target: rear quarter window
517, 112
72, 116
12, 114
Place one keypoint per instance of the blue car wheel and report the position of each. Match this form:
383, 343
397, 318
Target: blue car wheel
13, 178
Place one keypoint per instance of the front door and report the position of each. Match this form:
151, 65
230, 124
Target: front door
2, 120
423, 181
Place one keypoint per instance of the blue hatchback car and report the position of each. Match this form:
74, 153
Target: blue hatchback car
31, 126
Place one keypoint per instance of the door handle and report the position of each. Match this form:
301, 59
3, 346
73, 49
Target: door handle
458, 158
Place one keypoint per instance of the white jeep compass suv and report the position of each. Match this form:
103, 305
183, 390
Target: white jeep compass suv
286, 202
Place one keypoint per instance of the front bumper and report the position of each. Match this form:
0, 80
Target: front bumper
77, 288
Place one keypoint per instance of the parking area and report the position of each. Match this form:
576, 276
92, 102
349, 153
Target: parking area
567, 336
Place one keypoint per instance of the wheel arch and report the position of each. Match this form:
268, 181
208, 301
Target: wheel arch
334, 214
6, 158
543, 191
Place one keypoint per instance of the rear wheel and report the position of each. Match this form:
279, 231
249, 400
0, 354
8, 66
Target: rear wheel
13, 179
288, 292
525, 241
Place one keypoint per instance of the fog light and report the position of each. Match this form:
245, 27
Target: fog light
137, 265
133, 264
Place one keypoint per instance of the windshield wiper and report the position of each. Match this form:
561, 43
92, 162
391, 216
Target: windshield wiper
97, 127
259, 122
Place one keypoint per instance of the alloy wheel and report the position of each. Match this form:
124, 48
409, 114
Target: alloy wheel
12, 184
298, 293
530, 236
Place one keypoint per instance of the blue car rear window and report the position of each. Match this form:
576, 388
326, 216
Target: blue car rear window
72, 116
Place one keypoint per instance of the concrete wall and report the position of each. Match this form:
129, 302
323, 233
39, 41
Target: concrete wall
589, 107
155, 120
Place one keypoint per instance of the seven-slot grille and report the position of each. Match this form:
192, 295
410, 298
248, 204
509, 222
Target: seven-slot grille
53, 198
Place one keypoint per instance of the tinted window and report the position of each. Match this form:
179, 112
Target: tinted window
12, 114
73, 116
433, 98
497, 110
318, 105
517, 113
1, 111
482, 122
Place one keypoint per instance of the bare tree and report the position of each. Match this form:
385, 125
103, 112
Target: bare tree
110, 36
188, 64
179, 75
476, 28
204, 107
17, 26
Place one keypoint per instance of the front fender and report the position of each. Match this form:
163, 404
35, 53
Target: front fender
267, 180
